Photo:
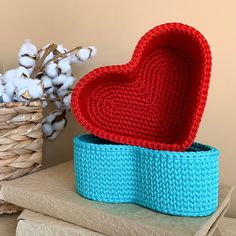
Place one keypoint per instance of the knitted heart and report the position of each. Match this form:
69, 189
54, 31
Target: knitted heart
157, 99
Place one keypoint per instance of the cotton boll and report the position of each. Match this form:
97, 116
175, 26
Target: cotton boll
47, 129
63, 82
52, 116
20, 99
61, 49
33, 82
68, 73
21, 83
59, 125
26, 61
29, 89
10, 89
6, 97
30, 70
32, 85
54, 135
62, 93
9, 76
57, 119
51, 70
53, 124
93, 51
23, 91
67, 102
28, 48
2, 89
47, 84
29, 83
83, 54
64, 65
22, 72
74, 59
36, 91
59, 80
67, 83
49, 91
23, 96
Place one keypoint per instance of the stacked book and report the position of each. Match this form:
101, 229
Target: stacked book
54, 208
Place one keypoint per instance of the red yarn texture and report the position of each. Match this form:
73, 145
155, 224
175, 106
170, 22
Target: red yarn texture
157, 99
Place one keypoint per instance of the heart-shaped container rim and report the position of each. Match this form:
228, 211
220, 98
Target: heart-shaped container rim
190, 126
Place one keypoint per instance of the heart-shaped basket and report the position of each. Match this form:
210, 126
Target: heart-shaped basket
157, 99
178, 183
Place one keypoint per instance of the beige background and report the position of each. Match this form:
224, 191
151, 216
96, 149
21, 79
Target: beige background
114, 27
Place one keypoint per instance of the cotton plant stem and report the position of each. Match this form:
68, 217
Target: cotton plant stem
63, 54
51, 48
39, 63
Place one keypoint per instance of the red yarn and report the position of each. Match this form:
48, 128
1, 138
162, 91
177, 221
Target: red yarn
157, 99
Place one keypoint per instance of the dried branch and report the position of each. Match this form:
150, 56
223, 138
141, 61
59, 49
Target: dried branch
62, 55
39, 63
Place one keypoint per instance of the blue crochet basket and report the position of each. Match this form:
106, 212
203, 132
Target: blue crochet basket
178, 183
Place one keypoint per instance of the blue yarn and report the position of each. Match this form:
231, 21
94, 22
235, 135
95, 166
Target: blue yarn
178, 183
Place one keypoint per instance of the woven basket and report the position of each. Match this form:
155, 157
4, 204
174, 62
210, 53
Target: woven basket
178, 183
21, 142
157, 99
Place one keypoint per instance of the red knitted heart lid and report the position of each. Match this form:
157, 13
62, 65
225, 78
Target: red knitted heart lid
157, 99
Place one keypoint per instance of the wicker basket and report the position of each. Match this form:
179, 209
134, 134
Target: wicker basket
21, 142
177, 183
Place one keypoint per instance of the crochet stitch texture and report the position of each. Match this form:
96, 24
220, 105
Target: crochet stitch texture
178, 183
157, 99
